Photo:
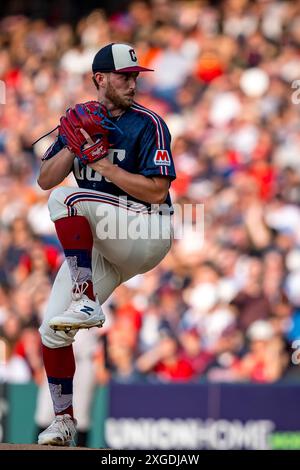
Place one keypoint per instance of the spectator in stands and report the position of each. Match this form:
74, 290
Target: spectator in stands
226, 93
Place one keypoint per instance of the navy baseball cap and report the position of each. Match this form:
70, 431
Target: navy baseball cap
117, 58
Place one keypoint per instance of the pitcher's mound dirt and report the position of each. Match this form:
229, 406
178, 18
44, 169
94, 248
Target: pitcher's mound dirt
38, 447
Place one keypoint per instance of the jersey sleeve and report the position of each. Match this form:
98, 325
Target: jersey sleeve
54, 148
155, 157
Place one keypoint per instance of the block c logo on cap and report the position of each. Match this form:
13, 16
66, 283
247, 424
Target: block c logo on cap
162, 157
132, 55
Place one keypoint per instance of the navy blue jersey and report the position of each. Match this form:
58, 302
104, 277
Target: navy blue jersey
142, 148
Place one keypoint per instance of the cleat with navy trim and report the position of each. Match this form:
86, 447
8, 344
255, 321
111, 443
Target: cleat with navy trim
82, 313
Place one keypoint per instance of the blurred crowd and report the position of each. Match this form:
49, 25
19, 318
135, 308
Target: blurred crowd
226, 308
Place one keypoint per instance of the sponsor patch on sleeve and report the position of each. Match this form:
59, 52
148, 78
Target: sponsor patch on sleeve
162, 157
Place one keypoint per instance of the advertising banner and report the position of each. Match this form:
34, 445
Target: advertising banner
203, 416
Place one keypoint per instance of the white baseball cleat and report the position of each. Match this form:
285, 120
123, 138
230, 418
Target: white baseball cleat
61, 432
82, 313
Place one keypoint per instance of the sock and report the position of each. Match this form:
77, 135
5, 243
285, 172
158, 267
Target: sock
60, 369
76, 237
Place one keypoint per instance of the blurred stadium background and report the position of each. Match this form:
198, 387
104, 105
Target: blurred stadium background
201, 352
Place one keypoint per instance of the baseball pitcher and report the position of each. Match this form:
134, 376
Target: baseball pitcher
114, 225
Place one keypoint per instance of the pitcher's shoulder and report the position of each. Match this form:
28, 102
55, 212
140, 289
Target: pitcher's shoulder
146, 114
151, 120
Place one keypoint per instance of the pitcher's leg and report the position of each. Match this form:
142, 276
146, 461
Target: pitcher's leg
59, 364
130, 255
75, 234
59, 300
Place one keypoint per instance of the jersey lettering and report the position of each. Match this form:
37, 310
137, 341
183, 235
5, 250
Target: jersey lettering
143, 147
82, 173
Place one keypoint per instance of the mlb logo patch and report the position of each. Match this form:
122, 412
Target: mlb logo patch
162, 157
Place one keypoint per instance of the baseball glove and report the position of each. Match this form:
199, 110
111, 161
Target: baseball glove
91, 116
94, 119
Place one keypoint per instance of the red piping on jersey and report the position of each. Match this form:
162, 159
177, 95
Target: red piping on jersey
160, 132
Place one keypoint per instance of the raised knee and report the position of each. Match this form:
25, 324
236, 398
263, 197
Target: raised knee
57, 196
55, 340
56, 203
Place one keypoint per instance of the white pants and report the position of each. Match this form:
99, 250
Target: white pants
114, 259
